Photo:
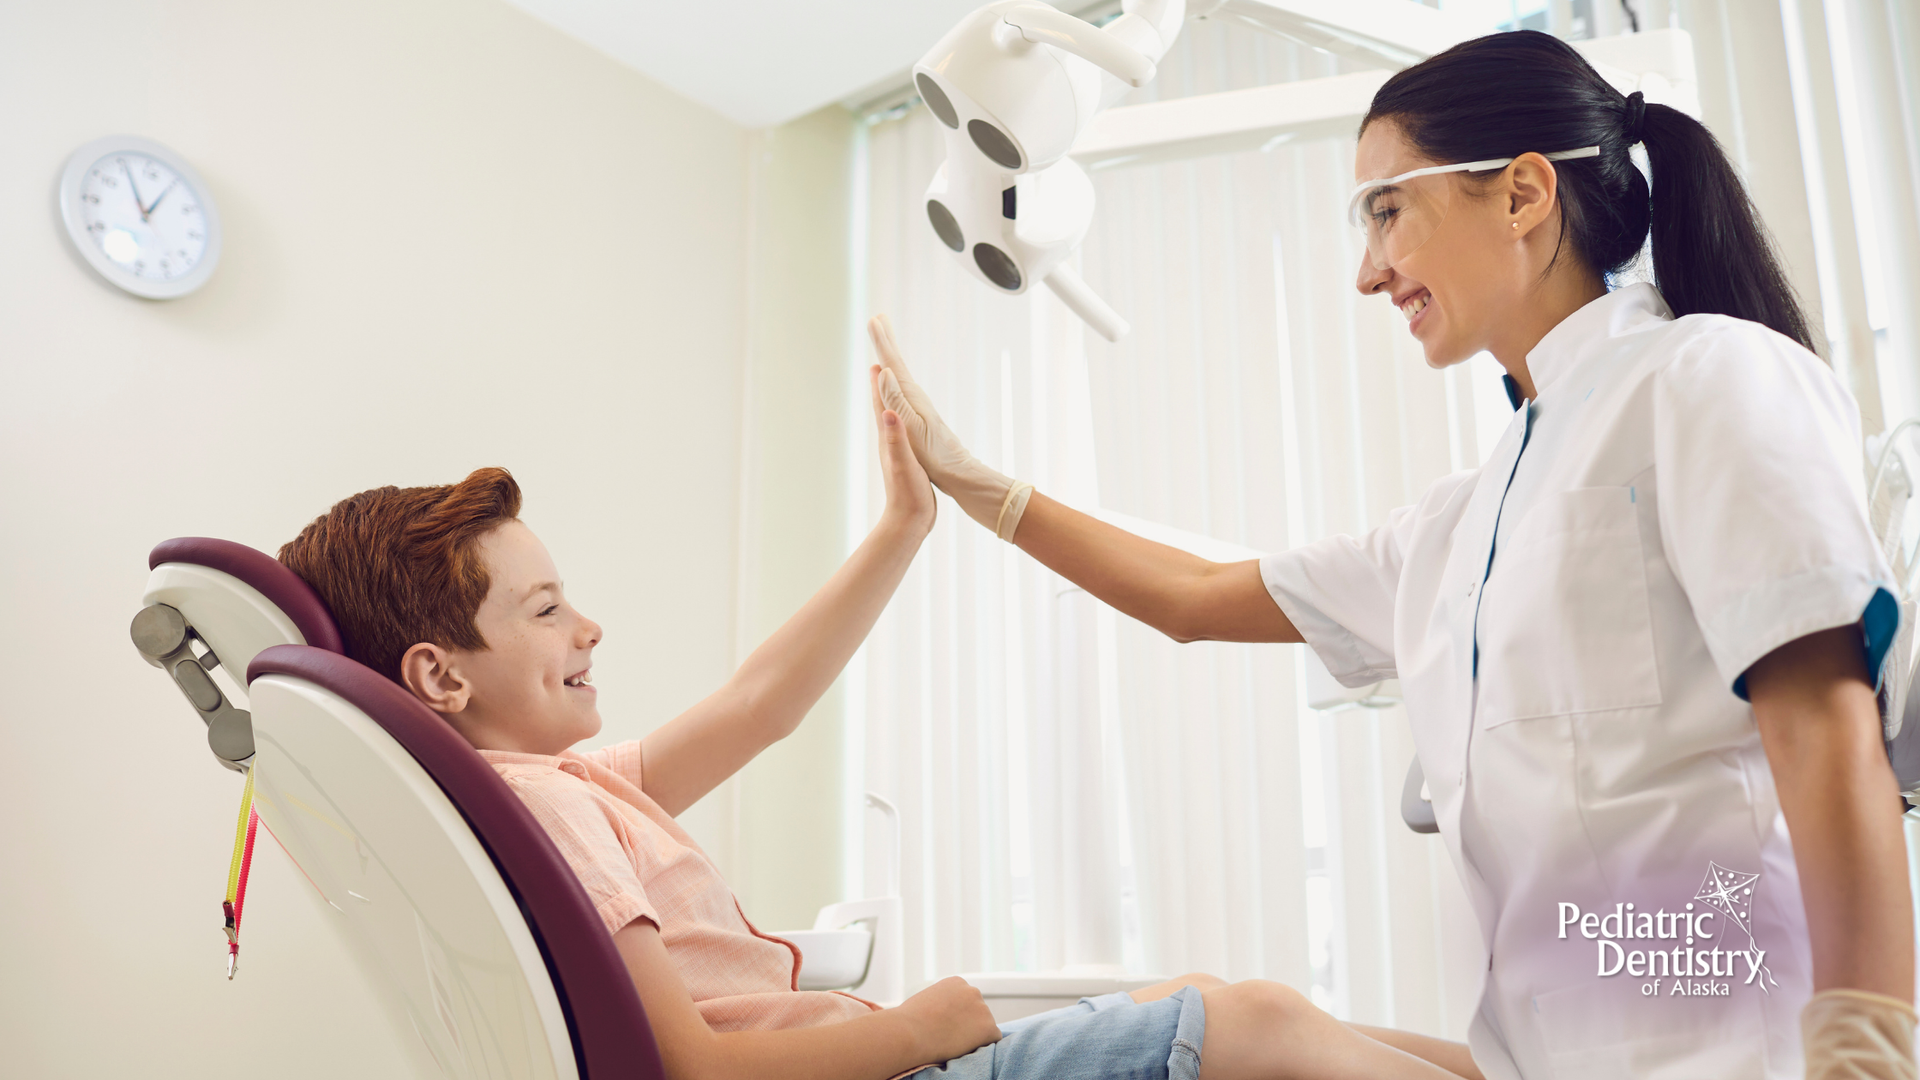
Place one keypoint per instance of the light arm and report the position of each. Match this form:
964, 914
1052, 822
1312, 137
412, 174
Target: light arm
1041, 24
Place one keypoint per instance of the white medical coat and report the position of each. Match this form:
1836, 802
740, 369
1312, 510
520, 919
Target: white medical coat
1681, 498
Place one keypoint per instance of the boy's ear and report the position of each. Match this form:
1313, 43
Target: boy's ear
427, 670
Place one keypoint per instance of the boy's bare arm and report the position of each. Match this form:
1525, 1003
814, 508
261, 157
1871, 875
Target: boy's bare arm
942, 1022
773, 690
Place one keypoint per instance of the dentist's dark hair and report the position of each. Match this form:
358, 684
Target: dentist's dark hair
1506, 94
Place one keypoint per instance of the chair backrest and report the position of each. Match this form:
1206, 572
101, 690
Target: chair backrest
430, 859
239, 600
211, 606
469, 923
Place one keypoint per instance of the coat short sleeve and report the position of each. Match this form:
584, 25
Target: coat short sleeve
1759, 470
1340, 592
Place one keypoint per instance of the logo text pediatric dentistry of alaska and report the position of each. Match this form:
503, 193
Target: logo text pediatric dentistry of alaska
1688, 947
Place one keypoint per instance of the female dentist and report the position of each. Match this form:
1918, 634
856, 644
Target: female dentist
1639, 646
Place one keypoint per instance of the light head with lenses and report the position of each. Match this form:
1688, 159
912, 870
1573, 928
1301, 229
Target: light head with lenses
1014, 85
1399, 214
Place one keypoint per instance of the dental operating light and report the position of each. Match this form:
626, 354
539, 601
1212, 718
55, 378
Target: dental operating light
1018, 83
1014, 84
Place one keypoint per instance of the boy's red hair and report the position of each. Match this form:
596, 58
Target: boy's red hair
399, 566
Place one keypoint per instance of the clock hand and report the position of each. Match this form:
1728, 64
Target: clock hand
136, 191
162, 195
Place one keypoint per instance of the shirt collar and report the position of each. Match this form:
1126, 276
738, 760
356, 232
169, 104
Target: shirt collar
567, 761
1619, 312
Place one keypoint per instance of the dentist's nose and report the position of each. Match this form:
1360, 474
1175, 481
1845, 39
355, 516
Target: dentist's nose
1371, 279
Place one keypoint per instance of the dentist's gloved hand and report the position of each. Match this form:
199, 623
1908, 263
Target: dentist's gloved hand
1858, 1035
988, 497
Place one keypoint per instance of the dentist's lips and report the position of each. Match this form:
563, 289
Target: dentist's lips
1415, 308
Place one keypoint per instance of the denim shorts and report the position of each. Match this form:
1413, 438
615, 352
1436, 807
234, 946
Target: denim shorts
1110, 1037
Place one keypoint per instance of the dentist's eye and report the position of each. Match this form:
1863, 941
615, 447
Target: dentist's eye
548, 610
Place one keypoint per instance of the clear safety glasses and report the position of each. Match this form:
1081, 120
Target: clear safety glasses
1400, 213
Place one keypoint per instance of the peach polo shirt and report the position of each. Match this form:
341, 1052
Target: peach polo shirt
636, 862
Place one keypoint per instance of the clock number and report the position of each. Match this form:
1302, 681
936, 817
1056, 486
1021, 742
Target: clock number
194, 235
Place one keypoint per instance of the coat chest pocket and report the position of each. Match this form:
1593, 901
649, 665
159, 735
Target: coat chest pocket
1564, 625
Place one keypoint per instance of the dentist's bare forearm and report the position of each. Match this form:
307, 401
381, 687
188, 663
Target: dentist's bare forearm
1178, 593
1821, 728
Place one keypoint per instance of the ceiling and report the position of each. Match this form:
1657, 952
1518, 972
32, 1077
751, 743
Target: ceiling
760, 62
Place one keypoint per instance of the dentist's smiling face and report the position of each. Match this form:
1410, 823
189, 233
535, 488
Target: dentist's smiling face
529, 691
1454, 285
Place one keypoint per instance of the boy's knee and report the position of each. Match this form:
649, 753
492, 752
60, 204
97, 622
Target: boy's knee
1201, 980
1271, 1002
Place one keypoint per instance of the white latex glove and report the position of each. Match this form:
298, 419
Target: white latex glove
1858, 1035
988, 497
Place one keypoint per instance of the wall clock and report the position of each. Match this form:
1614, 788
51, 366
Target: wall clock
141, 216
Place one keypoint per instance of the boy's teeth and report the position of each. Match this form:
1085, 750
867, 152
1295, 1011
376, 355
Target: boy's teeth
1413, 307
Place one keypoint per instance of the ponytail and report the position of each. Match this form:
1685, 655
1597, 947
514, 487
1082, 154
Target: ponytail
1710, 251
1510, 93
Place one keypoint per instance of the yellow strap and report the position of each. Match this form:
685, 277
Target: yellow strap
240, 840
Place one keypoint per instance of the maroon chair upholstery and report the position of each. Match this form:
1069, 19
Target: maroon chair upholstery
275, 582
612, 1040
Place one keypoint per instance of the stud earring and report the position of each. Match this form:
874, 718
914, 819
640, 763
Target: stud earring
1516, 224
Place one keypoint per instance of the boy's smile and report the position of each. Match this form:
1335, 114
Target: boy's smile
530, 690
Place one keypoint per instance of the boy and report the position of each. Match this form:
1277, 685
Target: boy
446, 592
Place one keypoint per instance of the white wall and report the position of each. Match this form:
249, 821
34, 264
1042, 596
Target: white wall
783, 854
453, 238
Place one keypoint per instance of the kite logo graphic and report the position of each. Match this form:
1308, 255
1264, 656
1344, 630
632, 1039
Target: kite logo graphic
1730, 892
1687, 944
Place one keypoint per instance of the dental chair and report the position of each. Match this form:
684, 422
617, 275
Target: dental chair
466, 919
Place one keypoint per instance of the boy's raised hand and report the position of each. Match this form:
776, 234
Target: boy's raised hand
770, 694
984, 495
909, 492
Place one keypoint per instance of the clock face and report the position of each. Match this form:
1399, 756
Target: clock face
140, 216
143, 216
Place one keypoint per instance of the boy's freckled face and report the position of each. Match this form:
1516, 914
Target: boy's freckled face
529, 689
